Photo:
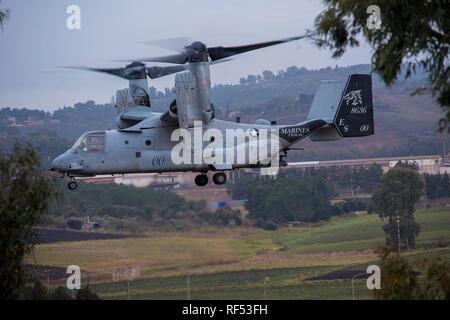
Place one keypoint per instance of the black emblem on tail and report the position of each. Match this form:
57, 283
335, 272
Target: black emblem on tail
354, 117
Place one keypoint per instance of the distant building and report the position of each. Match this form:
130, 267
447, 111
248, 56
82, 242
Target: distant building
33, 123
90, 225
335, 201
99, 180
26, 123
445, 166
292, 224
141, 180
165, 186
230, 203
427, 164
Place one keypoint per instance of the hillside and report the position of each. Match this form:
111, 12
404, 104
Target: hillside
404, 124
315, 261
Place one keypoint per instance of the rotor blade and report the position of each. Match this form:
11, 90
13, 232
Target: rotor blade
55, 71
173, 44
179, 58
220, 61
157, 72
125, 73
217, 53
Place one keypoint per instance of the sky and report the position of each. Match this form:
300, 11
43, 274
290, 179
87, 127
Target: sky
35, 42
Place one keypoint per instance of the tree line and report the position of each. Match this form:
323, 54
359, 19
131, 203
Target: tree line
127, 208
302, 195
339, 180
437, 185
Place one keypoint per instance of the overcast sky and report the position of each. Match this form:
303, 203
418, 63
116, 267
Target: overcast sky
35, 39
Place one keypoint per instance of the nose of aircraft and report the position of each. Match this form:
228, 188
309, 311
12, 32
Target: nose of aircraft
57, 164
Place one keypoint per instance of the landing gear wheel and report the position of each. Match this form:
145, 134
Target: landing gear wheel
219, 178
201, 180
72, 185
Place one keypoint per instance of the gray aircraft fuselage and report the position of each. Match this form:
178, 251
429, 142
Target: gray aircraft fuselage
144, 142
147, 147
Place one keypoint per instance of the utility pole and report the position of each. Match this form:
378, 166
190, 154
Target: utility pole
398, 232
353, 286
48, 279
444, 150
351, 186
425, 198
265, 290
189, 283
128, 289
189, 286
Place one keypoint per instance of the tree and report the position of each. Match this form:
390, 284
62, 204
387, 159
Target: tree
4, 15
400, 190
411, 165
287, 199
409, 230
251, 79
437, 185
23, 200
243, 81
399, 281
75, 224
36, 292
436, 285
291, 72
86, 294
60, 294
415, 33
268, 75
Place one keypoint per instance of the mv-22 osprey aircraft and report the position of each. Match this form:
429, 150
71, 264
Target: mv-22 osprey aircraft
145, 141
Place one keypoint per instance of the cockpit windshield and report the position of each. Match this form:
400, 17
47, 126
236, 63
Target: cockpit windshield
91, 142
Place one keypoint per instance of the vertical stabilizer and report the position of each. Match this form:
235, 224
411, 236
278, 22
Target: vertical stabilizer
326, 100
354, 117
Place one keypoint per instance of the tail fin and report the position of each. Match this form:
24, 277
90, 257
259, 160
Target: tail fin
328, 121
354, 117
325, 101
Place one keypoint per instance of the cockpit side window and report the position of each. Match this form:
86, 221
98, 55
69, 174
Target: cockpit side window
96, 143
81, 144
91, 142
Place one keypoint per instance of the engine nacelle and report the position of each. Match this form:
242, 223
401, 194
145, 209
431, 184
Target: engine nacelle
171, 115
192, 89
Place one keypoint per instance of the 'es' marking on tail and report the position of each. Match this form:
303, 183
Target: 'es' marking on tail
355, 95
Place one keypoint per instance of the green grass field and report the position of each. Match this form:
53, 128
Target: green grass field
363, 232
284, 283
232, 263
